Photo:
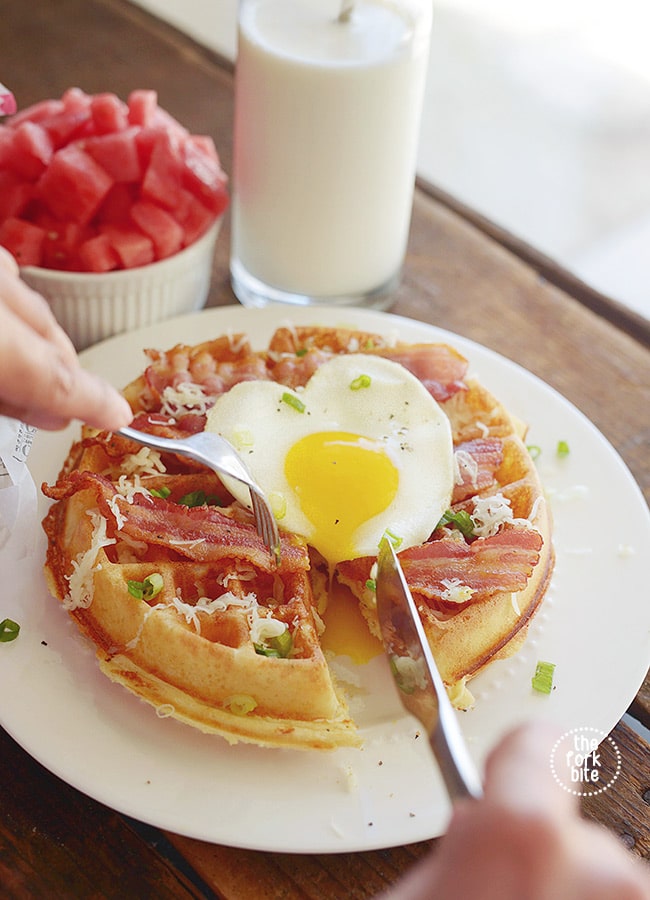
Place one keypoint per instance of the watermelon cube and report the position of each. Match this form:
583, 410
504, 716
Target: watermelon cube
163, 229
117, 204
31, 150
202, 173
37, 112
74, 185
117, 154
24, 240
142, 107
195, 220
109, 113
162, 180
15, 194
98, 255
132, 246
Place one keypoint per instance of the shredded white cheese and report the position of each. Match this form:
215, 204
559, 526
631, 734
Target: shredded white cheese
146, 461
80, 595
465, 465
455, 591
186, 397
490, 513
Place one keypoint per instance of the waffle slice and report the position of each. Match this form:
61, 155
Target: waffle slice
203, 648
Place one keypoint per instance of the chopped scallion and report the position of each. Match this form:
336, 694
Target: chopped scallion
543, 678
9, 630
293, 401
147, 589
363, 381
534, 450
279, 646
199, 498
301, 352
240, 704
394, 539
371, 584
460, 520
162, 492
562, 449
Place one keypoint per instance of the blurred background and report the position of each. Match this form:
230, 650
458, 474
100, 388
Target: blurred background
537, 115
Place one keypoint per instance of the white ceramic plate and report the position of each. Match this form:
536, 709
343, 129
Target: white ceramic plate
593, 626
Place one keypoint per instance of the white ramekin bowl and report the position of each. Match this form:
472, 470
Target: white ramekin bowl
92, 306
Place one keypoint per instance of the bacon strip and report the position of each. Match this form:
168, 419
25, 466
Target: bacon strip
477, 462
502, 563
210, 534
440, 368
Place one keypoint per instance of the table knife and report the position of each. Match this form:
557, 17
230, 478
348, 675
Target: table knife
419, 684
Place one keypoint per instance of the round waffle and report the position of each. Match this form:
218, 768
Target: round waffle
163, 571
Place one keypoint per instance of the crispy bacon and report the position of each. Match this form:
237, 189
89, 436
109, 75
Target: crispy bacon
440, 368
502, 563
202, 534
295, 371
477, 461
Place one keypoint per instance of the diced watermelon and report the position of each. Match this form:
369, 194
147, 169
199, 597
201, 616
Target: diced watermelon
203, 174
142, 107
196, 221
132, 246
127, 182
109, 113
37, 112
74, 185
162, 180
117, 154
31, 151
163, 229
98, 255
61, 243
75, 100
116, 206
24, 240
15, 194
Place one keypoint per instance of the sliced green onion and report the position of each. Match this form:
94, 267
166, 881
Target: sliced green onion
240, 704
147, 589
562, 449
279, 646
293, 401
363, 381
302, 351
534, 450
9, 630
371, 584
460, 520
199, 498
162, 492
394, 539
543, 678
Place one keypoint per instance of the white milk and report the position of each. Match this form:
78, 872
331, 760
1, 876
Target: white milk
326, 129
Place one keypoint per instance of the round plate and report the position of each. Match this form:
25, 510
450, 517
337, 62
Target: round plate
593, 625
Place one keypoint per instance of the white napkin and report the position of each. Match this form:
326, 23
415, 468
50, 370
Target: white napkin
18, 497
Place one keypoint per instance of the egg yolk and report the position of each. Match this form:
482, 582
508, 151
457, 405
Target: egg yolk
341, 480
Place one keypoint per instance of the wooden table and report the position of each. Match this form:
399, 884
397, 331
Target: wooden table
463, 274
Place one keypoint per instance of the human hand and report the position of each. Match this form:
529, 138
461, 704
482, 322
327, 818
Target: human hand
524, 840
41, 380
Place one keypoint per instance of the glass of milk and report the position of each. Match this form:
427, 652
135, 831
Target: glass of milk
327, 118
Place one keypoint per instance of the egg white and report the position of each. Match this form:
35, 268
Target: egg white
395, 409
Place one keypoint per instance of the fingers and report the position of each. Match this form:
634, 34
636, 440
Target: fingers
41, 380
518, 772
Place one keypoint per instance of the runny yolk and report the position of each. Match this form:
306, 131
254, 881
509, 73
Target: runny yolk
341, 480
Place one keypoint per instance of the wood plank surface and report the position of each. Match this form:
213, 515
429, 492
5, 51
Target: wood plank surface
462, 274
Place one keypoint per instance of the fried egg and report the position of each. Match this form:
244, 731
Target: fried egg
361, 451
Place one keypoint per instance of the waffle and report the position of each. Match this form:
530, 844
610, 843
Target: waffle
162, 569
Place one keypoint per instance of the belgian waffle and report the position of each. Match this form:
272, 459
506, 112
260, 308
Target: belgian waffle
163, 570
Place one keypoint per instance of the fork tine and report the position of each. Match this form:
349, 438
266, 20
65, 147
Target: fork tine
266, 524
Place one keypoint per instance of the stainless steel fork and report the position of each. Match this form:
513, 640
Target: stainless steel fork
218, 454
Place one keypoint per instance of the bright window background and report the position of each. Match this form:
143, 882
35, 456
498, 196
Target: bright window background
537, 115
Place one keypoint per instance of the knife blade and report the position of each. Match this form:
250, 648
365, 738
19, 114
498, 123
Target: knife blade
416, 675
